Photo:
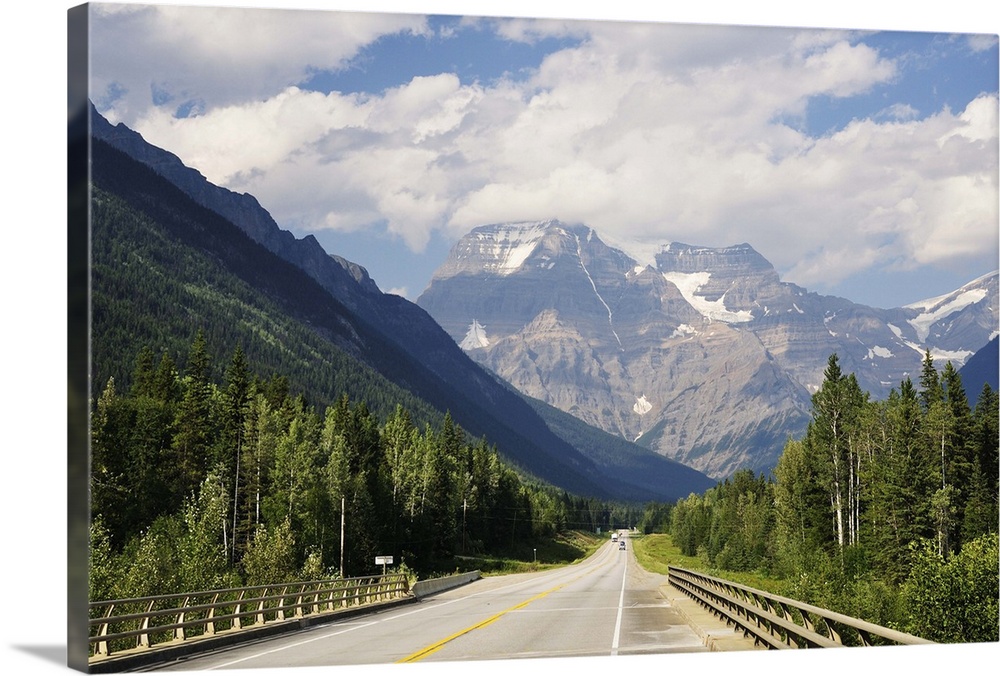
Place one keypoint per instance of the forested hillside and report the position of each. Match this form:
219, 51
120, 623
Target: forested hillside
884, 510
237, 417
232, 233
200, 483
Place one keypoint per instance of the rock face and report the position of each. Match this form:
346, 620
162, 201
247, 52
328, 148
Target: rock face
707, 358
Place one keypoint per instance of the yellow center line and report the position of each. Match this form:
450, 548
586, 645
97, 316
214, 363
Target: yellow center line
433, 648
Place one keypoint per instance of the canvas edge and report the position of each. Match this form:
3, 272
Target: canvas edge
78, 338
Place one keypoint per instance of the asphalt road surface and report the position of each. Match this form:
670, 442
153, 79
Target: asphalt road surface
605, 605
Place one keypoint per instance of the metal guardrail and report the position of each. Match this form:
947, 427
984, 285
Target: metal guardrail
143, 623
422, 588
778, 622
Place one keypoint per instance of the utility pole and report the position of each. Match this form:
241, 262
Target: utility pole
465, 505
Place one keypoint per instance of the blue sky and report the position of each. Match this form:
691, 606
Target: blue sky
475, 54
861, 163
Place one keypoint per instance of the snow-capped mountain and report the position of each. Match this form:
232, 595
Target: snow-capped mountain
951, 324
705, 356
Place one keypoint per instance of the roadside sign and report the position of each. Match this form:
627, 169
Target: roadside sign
383, 560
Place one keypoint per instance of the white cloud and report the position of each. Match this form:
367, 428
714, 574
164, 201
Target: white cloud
982, 42
646, 132
219, 56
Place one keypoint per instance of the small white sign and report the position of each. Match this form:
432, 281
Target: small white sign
383, 560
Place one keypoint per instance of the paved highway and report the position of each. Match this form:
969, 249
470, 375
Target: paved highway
605, 605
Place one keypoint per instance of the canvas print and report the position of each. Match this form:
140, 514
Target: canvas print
406, 338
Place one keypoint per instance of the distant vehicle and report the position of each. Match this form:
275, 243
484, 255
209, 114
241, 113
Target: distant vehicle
621, 545
614, 537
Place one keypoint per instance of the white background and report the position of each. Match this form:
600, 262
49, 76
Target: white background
33, 329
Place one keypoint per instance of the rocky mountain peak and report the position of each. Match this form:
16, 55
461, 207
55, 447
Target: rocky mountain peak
732, 261
503, 249
708, 358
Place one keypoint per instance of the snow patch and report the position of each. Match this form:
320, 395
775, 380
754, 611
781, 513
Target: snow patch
683, 330
475, 338
642, 405
956, 357
879, 351
508, 246
936, 309
689, 283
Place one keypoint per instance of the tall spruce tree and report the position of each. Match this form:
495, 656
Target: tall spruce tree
229, 451
833, 436
195, 425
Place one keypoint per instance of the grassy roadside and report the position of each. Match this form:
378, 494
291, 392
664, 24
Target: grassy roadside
540, 554
656, 551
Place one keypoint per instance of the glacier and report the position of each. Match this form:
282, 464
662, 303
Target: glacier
476, 337
689, 283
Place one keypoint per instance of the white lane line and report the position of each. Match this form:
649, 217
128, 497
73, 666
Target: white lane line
621, 608
293, 645
331, 634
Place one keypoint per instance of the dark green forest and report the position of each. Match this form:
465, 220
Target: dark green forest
198, 484
885, 510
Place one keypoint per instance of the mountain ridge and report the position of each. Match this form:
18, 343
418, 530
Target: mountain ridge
648, 352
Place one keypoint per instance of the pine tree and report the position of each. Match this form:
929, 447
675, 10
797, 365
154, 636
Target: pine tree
833, 434
229, 450
960, 461
166, 386
144, 375
900, 479
981, 511
196, 430
930, 383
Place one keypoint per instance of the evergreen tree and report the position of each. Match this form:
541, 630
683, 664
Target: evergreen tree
833, 437
930, 383
196, 428
229, 451
144, 375
111, 424
981, 514
900, 481
166, 385
961, 461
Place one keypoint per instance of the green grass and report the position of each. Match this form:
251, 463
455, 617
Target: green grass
532, 555
656, 551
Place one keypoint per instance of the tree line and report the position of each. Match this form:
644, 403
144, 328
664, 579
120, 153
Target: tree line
884, 510
200, 484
